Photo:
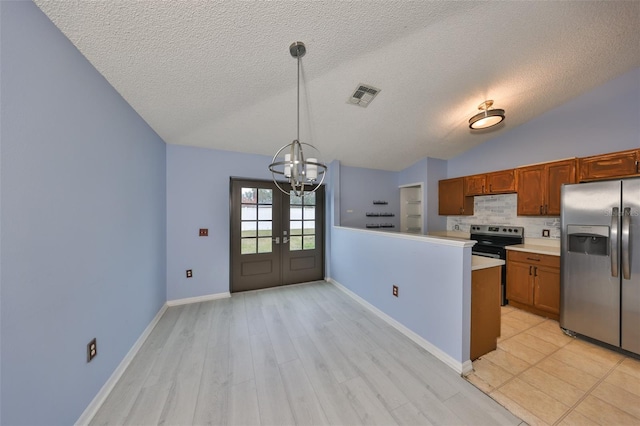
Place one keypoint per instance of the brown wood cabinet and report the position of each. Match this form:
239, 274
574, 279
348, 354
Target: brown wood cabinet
533, 283
451, 198
539, 187
502, 182
485, 310
613, 165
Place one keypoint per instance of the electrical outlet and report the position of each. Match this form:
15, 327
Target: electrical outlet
189, 273
204, 232
545, 233
395, 290
92, 350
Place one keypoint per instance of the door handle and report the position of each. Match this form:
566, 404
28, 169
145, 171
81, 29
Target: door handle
285, 240
614, 242
626, 228
276, 240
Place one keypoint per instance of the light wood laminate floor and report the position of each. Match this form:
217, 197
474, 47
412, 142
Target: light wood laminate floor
549, 378
304, 354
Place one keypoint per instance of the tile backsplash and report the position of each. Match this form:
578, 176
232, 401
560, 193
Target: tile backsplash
502, 210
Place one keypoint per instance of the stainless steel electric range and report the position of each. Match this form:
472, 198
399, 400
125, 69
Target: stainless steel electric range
491, 242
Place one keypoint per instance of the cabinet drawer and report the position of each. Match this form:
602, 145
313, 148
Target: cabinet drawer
534, 258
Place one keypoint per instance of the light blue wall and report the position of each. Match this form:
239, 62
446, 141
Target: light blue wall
605, 119
434, 285
437, 171
198, 197
359, 187
83, 223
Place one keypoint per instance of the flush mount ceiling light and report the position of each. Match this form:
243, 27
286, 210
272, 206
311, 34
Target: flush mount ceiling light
298, 169
489, 117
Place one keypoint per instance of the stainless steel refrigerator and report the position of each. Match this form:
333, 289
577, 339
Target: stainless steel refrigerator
600, 276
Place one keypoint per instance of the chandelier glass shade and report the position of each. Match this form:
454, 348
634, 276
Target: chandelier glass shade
300, 168
489, 117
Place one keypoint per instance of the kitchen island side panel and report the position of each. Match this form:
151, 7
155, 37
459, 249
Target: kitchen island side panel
433, 278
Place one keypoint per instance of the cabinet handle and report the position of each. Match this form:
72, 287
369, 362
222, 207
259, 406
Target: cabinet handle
530, 269
491, 188
483, 189
541, 207
535, 271
533, 258
637, 166
546, 209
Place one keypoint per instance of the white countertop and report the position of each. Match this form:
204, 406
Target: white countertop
536, 248
481, 262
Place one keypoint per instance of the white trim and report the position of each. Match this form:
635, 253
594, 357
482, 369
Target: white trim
106, 389
205, 298
409, 185
416, 237
461, 368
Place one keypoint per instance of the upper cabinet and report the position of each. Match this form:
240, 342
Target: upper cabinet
614, 165
451, 198
502, 182
539, 187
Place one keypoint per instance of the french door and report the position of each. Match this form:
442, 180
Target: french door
276, 239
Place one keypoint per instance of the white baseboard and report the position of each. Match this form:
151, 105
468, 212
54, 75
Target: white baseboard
106, 389
205, 298
461, 368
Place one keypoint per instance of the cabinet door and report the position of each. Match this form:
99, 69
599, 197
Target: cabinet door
502, 182
451, 199
531, 190
547, 289
617, 164
558, 173
474, 185
520, 282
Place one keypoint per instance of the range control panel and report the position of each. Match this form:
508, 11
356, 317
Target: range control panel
497, 230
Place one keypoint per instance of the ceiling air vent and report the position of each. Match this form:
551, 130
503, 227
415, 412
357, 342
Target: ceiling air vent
363, 95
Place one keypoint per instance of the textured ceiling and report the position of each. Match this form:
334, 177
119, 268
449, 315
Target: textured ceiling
218, 74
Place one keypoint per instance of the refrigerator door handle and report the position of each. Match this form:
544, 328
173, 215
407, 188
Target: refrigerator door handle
614, 242
626, 225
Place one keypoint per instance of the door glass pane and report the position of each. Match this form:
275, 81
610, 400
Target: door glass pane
264, 245
264, 212
295, 243
309, 213
248, 212
265, 229
249, 246
309, 227
295, 227
309, 243
294, 200
256, 214
295, 213
310, 199
249, 229
265, 196
249, 195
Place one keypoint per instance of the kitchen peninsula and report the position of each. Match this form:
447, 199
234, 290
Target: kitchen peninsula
434, 280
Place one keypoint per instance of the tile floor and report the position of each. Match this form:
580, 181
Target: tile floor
547, 378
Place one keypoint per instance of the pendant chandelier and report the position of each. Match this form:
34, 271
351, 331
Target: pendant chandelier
300, 170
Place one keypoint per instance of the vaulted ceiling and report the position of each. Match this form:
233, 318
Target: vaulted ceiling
218, 74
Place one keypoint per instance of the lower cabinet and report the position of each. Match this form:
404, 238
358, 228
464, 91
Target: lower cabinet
485, 310
533, 283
